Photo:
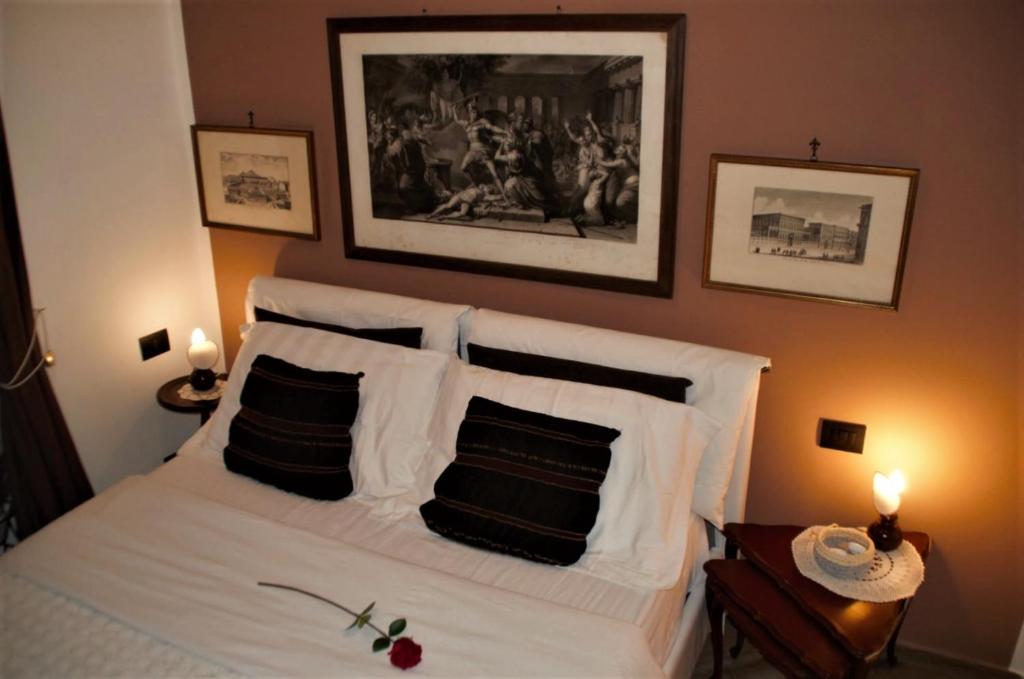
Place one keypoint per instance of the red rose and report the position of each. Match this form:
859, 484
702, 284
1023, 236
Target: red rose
405, 653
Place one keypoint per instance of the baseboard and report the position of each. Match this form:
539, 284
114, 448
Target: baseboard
959, 659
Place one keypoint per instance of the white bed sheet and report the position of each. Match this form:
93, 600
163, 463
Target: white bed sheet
656, 612
183, 569
46, 634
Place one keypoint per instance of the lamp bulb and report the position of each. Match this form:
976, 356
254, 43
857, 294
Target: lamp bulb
887, 491
898, 481
202, 353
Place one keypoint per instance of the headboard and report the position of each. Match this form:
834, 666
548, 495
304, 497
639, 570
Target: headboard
725, 383
357, 308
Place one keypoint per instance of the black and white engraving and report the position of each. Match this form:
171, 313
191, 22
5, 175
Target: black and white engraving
256, 180
539, 143
810, 225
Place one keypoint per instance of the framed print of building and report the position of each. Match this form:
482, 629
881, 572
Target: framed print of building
833, 232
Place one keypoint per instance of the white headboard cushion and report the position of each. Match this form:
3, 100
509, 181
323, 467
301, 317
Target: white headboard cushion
357, 308
725, 386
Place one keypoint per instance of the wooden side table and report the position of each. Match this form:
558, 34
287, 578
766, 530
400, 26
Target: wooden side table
167, 396
800, 627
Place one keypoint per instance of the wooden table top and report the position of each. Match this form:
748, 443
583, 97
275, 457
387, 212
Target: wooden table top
862, 628
791, 640
167, 396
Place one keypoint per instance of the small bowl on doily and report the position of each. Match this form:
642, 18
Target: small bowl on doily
844, 552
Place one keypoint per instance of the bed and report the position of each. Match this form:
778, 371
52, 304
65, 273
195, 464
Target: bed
158, 575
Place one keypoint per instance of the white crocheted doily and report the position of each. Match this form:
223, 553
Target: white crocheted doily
893, 576
186, 392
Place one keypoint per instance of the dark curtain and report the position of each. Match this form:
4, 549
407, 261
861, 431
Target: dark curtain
40, 470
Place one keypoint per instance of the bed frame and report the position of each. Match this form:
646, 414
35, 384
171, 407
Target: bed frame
296, 296
188, 598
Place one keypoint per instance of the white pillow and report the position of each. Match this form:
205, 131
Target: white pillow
724, 382
396, 398
641, 530
357, 309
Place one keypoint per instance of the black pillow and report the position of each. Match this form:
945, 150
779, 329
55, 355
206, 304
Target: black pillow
522, 483
662, 386
293, 429
403, 337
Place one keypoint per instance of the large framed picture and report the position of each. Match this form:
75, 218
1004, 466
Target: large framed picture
831, 232
540, 147
256, 179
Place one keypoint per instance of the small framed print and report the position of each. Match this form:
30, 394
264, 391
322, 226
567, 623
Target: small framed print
831, 232
255, 179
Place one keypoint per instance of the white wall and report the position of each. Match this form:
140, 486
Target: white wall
96, 103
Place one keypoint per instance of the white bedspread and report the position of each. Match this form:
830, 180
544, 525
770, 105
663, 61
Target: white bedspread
48, 635
656, 612
183, 568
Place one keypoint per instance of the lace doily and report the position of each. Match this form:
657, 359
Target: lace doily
893, 575
186, 392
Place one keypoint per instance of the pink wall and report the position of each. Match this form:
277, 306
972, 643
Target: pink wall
933, 85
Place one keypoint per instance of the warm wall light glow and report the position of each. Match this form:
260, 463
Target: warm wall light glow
198, 336
888, 490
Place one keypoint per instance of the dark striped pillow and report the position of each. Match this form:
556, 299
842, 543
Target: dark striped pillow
293, 429
522, 483
660, 386
403, 337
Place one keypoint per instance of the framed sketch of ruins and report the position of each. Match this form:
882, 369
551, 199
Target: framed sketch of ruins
256, 179
540, 147
831, 232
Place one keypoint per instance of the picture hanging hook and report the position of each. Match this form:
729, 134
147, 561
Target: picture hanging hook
251, 117
424, 10
558, 9
814, 149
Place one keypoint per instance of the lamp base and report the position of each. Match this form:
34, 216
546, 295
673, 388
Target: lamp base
202, 380
885, 533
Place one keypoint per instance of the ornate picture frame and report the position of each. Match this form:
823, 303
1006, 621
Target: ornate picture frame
830, 232
256, 179
512, 145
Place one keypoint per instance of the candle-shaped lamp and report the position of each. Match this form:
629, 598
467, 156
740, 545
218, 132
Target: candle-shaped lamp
203, 355
885, 532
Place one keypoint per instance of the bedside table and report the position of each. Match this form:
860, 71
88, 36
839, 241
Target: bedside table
798, 626
167, 396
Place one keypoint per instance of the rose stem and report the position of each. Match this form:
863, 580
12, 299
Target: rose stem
326, 601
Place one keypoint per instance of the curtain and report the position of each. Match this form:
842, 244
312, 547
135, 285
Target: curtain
40, 472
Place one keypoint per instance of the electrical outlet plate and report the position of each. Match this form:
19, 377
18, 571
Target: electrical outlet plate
845, 436
154, 344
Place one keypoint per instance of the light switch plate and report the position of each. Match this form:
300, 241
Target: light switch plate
845, 436
154, 344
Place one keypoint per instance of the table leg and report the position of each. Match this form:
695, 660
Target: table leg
737, 648
731, 552
890, 649
715, 614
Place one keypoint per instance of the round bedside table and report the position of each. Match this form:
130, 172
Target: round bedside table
167, 396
